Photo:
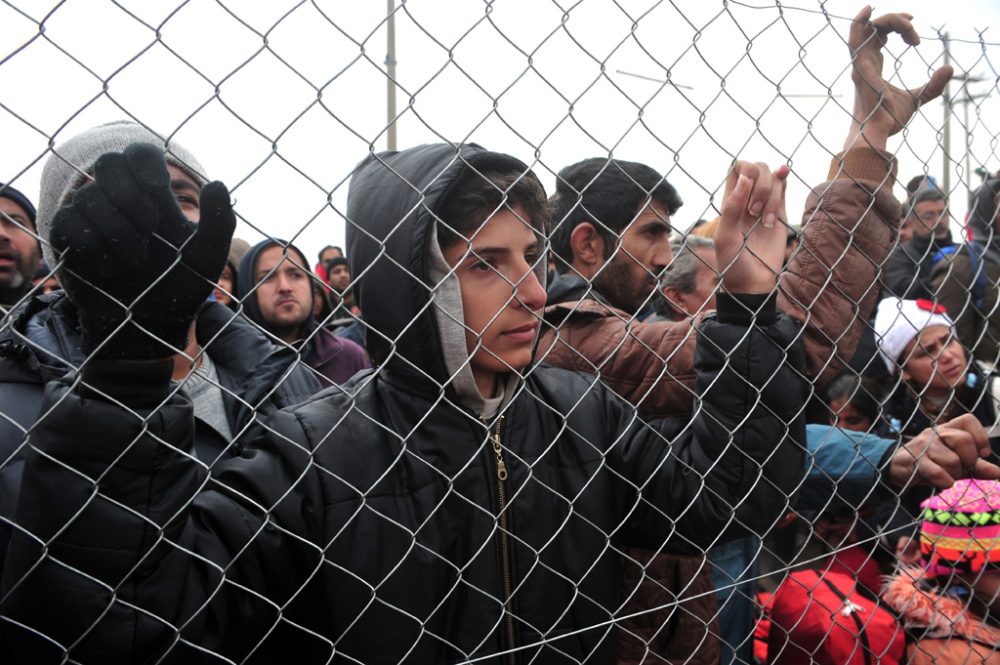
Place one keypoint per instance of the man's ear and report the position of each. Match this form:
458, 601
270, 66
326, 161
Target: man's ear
587, 245
673, 298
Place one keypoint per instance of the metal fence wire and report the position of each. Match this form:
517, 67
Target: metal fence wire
520, 331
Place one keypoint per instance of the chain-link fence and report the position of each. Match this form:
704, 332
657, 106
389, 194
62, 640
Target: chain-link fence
601, 332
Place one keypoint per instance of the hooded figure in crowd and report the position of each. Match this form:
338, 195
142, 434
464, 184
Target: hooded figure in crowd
225, 289
276, 290
966, 282
458, 502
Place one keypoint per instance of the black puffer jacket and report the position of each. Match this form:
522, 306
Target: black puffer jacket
371, 525
43, 343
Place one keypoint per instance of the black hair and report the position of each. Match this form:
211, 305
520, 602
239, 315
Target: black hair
319, 256
479, 192
922, 196
862, 393
918, 182
608, 193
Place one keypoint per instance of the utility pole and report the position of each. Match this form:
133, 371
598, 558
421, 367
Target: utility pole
965, 99
390, 71
946, 127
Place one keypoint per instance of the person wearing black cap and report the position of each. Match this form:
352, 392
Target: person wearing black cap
338, 277
19, 249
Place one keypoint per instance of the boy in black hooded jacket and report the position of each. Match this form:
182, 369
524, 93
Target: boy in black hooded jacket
457, 502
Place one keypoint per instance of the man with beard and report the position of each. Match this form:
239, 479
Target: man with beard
19, 251
276, 289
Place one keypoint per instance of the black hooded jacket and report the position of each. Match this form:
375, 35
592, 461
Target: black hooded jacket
334, 359
371, 525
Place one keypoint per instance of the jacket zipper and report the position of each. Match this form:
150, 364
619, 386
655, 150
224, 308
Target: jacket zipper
504, 552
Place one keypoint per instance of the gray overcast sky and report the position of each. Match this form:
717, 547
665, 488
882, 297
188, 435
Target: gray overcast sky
302, 90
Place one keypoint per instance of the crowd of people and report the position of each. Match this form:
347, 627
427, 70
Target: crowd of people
502, 424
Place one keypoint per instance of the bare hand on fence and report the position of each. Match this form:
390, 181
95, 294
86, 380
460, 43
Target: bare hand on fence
880, 108
940, 455
751, 238
134, 266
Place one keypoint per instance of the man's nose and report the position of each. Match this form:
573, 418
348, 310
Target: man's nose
662, 256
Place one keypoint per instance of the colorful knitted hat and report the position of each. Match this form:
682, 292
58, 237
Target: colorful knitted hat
960, 531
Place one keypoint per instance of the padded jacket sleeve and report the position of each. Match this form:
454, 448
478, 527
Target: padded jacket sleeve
848, 227
844, 468
139, 541
735, 467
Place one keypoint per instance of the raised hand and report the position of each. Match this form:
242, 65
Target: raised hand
134, 266
882, 109
751, 237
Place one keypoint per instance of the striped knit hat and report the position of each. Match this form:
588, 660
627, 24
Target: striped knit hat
960, 532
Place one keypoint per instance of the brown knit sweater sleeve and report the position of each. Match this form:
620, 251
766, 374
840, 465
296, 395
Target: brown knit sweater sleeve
865, 164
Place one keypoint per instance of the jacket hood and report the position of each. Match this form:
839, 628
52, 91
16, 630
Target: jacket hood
571, 287
925, 607
392, 248
982, 210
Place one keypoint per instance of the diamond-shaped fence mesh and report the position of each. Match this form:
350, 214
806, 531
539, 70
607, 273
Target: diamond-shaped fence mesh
520, 332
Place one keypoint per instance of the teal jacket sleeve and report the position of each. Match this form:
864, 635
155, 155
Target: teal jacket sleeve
843, 468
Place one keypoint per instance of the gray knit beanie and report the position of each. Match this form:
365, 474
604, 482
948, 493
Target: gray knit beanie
70, 163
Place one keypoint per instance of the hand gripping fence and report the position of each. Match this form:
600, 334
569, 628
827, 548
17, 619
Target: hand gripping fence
662, 333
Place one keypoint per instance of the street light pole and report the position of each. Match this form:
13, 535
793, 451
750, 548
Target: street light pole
390, 71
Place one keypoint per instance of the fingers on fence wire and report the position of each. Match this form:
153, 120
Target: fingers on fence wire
878, 103
78, 240
940, 455
751, 237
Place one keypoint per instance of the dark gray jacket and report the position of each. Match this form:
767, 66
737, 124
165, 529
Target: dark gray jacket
43, 343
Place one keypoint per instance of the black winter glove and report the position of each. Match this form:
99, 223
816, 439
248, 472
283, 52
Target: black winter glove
134, 266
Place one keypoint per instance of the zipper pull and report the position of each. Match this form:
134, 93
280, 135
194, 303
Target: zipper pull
498, 451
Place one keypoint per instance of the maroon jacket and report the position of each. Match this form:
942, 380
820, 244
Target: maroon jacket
335, 359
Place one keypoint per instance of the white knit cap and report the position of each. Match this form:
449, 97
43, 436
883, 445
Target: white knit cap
898, 322
71, 161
